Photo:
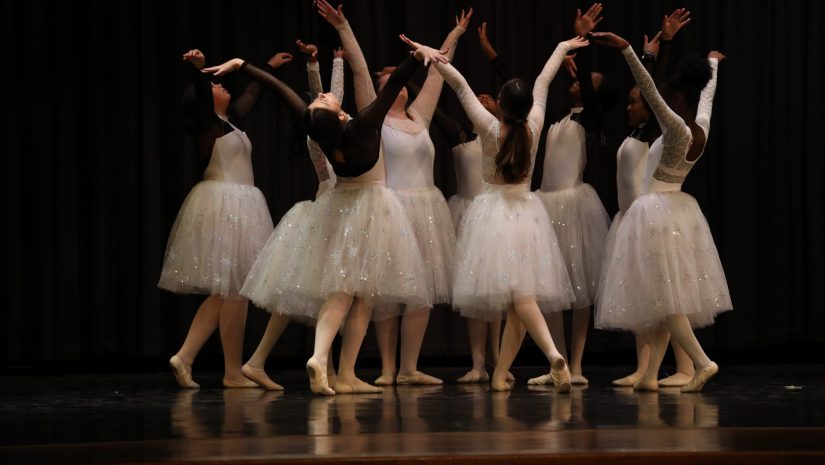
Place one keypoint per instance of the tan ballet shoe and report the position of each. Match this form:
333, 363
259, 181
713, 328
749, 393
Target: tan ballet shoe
676, 380
240, 384
183, 373
318, 378
540, 380
646, 386
417, 378
628, 381
260, 377
701, 377
474, 376
387, 378
560, 376
499, 382
509, 377
578, 380
356, 387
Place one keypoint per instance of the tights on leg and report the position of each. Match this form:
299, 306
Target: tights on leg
477, 332
658, 345
413, 328
578, 337
682, 333
510, 343
203, 325
386, 332
684, 364
232, 327
494, 337
254, 368
330, 318
528, 312
555, 321
355, 328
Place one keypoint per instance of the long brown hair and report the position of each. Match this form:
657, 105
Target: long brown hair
513, 158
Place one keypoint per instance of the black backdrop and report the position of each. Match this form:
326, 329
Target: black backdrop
97, 163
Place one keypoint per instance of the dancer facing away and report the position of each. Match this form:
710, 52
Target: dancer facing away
667, 276
269, 260
507, 257
353, 251
578, 216
410, 155
221, 226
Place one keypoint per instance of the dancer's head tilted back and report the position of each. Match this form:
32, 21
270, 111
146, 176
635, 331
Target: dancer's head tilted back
513, 159
325, 121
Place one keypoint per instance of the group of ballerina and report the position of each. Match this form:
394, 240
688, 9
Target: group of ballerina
380, 242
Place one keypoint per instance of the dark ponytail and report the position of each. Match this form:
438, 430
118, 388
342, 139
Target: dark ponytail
513, 159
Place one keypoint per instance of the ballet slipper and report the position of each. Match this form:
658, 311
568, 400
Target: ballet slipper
244, 383
183, 373
646, 385
356, 387
260, 377
560, 376
474, 376
387, 378
675, 380
509, 377
701, 377
417, 378
578, 380
540, 380
318, 383
629, 380
499, 382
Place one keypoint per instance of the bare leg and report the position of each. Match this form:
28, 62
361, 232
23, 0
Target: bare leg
578, 337
413, 328
330, 318
680, 329
642, 358
386, 332
528, 312
232, 327
658, 345
510, 343
203, 325
477, 331
254, 368
355, 328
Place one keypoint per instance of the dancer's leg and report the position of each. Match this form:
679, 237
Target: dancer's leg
510, 343
413, 328
477, 332
232, 327
330, 318
680, 329
254, 368
658, 345
642, 358
203, 325
578, 337
355, 328
386, 332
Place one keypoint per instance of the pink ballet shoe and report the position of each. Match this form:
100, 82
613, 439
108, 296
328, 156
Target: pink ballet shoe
356, 387
701, 377
560, 376
628, 381
499, 382
540, 380
259, 377
183, 373
244, 383
318, 383
387, 378
675, 380
417, 378
474, 376
646, 385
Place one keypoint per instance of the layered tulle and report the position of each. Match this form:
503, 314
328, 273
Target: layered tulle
458, 206
581, 223
215, 239
661, 261
507, 249
355, 240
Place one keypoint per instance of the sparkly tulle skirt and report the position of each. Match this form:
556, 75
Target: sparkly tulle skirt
458, 206
581, 223
215, 239
661, 261
507, 248
355, 240
433, 226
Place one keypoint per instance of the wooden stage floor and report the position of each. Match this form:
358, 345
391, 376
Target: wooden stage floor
748, 415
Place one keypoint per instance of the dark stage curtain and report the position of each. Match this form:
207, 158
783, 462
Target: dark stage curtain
98, 163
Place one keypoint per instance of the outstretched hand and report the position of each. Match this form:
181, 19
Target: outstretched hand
195, 57
311, 50
225, 68
577, 42
652, 46
279, 59
585, 23
464, 20
718, 55
611, 39
671, 24
424, 53
334, 16
486, 46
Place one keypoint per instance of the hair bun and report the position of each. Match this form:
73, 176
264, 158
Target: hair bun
693, 71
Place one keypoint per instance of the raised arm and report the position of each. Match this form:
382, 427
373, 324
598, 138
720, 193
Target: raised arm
362, 81
483, 121
584, 24
453, 131
422, 108
244, 104
204, 105
313, 70
495, 60
372, 117
536, 116
337, 81
705, 107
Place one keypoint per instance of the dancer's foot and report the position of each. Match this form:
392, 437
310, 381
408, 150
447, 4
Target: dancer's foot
646, 385
355, 386
183, 373
678, 379
241, 382
318, 383
259, 376
509, 377
387, 378
540, 380
701, 377
577, 379
560, 375
474, 376
499, 381
629, 380
417, 377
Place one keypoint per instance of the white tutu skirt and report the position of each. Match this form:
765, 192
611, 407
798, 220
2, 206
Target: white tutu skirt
433, 226
355, 240
215, 239
458, 206
662, 261
581, 223
507, 248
